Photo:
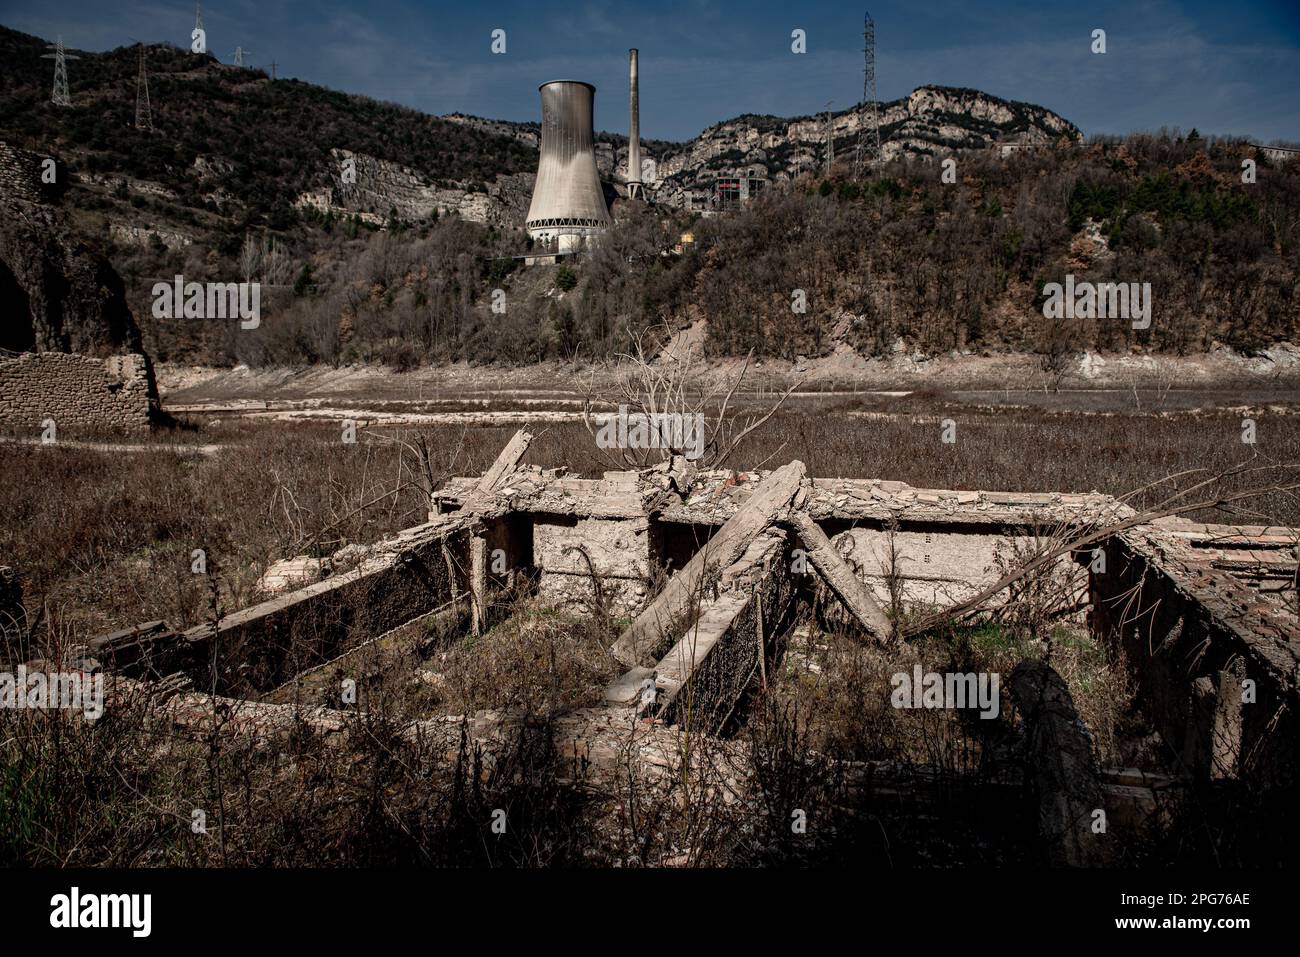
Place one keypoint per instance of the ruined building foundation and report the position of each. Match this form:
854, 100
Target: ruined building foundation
1197, 609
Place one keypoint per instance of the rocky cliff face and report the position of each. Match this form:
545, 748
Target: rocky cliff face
374, 189
527, 133
932, 120
56, 293
611, 148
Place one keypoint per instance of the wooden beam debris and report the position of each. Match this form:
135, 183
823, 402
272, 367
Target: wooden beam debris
480, 495
506, 462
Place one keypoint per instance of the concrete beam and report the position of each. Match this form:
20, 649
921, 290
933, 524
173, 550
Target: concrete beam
840, 578
703, 677
506, 462
259, 647
646, 637
478, 582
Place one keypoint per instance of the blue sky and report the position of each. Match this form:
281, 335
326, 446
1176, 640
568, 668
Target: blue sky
1228, 68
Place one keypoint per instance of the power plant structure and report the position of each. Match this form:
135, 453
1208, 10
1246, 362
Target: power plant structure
568, 208
635, 188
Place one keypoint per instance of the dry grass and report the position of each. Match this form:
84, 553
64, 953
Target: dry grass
121, 792
539, 661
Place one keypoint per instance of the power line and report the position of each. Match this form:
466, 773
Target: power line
60, 95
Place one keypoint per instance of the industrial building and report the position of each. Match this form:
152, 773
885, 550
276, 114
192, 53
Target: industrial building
635, 187
732, 191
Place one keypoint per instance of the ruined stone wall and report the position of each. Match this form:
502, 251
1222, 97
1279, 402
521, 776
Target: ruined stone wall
567, 552
258, 648
76, 391
1191, 636
935, 566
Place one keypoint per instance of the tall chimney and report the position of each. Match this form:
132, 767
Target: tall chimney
634, 186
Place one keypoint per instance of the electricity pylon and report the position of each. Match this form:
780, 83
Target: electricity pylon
868, 126
143, 111
60, 96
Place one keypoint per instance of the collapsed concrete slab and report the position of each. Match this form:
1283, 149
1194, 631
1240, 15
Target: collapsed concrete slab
668, 611
704, 676
1265, 558
250, 651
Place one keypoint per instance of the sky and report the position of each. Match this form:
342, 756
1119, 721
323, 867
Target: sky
1222, 68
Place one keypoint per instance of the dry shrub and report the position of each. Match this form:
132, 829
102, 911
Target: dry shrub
122, 791
539, 661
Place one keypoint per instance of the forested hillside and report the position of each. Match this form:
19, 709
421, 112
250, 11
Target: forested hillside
227, 139
897, 260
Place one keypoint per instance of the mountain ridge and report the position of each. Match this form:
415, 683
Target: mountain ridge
223, 172
931, 119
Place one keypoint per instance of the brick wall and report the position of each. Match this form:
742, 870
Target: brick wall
76, 391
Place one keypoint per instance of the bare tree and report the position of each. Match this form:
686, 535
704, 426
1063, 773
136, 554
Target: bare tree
250, 259
675, 384
275, 263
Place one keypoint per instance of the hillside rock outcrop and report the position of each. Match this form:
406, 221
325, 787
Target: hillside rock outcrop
932, 120
70, 348
374, 189
56, 293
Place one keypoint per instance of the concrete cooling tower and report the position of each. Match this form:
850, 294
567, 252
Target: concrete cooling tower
568, 206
